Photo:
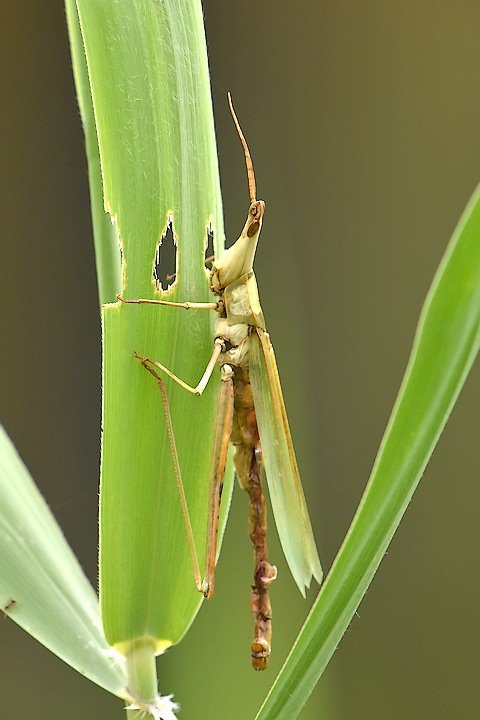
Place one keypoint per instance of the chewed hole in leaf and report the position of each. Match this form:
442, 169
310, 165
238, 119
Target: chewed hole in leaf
165, 265
209, 251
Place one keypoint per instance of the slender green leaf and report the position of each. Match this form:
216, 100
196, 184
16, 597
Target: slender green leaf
107, 255
445, 346
148, 74
42, 586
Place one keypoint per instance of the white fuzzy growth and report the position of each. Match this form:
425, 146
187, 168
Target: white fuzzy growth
163, 709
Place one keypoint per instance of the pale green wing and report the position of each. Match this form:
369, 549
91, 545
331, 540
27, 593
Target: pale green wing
284, 485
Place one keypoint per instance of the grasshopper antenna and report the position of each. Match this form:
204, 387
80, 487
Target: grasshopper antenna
252, 187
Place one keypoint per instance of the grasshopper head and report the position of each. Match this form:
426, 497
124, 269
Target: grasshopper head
255, 218
238, 259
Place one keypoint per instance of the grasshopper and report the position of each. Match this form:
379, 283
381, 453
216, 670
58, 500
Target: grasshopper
250, 414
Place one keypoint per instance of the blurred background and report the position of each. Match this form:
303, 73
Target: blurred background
363, 120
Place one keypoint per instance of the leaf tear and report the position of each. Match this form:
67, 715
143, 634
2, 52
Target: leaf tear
165, 263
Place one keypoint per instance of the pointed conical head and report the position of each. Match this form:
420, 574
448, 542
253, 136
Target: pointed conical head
238, 259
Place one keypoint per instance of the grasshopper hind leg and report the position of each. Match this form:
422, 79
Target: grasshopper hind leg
264, 572
249, 473
223, 429
178, 476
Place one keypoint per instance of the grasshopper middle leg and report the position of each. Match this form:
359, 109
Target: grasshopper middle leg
200, 387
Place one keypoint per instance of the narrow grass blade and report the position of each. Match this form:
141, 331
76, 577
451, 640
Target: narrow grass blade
445, 346
42, 586
107, 255
148, 74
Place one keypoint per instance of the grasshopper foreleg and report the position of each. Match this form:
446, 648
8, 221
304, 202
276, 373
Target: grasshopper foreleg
185, 305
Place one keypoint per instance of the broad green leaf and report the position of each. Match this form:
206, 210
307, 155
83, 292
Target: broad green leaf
107, 255
148, 73
42, 586
445, 346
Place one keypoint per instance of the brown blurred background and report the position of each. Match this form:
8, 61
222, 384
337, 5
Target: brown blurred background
363, 120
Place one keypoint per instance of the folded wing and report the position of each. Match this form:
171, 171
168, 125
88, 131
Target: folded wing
284, 484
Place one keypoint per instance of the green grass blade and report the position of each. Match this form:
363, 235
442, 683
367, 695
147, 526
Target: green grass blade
149, 77
42, 586
445, 346
107, 256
